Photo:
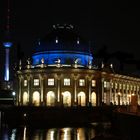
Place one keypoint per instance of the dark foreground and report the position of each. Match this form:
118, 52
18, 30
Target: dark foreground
96, 131
123, 126
55, 115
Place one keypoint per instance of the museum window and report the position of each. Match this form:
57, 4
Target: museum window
93, 82
120, 86
116, 85
127, 87
36, 82
81, 82
66, 82
131, 87
134, 88
138, 88
104, 97
124, 86
51, 82
112, 85
25, 83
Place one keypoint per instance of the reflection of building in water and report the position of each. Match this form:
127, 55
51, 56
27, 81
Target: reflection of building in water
65, 134
62, 74
27, 133
81, 134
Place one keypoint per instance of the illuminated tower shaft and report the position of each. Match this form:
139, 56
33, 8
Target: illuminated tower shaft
7, 46
6, 75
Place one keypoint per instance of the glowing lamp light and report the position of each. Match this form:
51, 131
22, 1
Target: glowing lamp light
111, 65
13, 93
56, 41
24, 114
78, 42
129, 95
119, 93
7, 44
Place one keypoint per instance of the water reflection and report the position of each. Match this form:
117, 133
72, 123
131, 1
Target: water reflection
80, 134
24, 133
13, 135
66, 133
50, 135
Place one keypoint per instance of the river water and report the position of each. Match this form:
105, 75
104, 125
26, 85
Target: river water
93, 131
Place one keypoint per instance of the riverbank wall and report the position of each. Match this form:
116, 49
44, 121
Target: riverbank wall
55, 115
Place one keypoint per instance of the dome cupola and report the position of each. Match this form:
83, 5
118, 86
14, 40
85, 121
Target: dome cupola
62, 43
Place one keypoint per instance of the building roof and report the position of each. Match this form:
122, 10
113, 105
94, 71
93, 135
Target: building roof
62, 38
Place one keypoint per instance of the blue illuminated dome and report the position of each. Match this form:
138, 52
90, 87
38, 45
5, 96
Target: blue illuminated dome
62, 43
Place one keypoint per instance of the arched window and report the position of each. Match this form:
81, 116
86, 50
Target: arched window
50, 100
81, 99
36, 98
66, 98
93, 99
25, 98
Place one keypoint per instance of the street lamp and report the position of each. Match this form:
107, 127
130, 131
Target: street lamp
14, 94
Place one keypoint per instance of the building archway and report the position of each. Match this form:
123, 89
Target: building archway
81, 99
50, 99
36, 98
25, 98
93, 99
66, 98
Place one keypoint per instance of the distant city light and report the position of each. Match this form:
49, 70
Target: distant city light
111, 65
24, 114
56, 41
38, 42
78, 42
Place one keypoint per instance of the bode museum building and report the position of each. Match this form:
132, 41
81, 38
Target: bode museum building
61, 73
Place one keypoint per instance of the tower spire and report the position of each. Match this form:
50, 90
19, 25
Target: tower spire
8, 17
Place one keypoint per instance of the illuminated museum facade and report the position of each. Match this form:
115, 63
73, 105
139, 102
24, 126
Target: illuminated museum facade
61, 73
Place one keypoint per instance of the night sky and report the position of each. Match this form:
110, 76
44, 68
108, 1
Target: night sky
114, 24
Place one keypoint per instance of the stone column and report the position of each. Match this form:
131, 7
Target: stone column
28, 88
99, 90
111, 93
41, 88
108, 92
58, 88
30, 91
75, 89
102, 89
89, 90
19, 91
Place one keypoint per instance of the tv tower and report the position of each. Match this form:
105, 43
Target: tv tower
7, 45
